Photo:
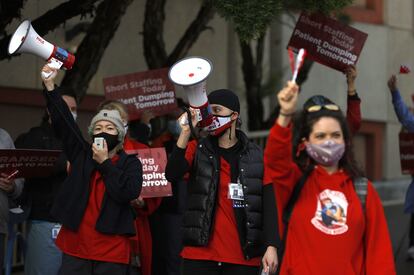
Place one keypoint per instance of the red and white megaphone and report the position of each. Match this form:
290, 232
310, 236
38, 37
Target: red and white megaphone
191, 73
26, 40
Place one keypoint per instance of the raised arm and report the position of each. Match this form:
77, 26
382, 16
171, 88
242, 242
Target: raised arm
278, 160
353, 112
404, 115
62, 120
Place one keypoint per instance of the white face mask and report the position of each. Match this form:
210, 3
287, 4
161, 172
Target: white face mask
75, 115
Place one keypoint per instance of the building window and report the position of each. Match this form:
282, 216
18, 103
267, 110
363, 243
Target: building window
366, 11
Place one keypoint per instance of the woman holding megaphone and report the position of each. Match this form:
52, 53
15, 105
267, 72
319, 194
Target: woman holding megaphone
230, 220
93, 203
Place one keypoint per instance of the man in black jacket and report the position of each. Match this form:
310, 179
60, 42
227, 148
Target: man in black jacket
42, 255
223, 233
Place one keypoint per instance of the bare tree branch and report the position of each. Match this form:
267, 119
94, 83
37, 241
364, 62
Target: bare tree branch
199, 24
153, 40
53, 18
8, 11
90, 52
154, 46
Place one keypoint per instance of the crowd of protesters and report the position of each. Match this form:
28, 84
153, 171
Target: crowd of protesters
300, 206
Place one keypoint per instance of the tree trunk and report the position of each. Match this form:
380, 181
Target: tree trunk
90, 52
252, 75
52, 19
155, 53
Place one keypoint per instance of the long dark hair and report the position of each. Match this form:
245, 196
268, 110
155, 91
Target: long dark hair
303, 125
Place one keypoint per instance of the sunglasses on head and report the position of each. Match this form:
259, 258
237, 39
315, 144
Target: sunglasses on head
315, 108
319, 102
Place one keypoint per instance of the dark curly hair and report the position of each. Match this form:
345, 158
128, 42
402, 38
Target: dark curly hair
303, 125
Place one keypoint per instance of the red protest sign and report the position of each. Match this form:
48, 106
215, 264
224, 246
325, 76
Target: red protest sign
142, 91
28, 163
406, 142
327, 41
153, 162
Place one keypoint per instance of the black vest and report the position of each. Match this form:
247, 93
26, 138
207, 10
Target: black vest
203, 191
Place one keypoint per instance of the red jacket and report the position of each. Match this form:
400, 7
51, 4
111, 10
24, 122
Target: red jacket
328, 231
142, 243
353, 113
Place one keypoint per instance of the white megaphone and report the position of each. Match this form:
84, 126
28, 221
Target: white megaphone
26, 40
191, 73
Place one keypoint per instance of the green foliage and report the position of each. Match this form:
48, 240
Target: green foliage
251, 18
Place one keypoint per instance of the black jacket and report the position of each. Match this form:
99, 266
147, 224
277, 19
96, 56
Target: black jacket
122, 181
39, 193
202, 194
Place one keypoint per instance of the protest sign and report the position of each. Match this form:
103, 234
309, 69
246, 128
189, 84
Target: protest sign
327, 41
406, 142
27, 163
143, 91
153, 162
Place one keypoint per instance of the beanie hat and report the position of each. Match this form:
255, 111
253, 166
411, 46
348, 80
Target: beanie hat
112, 116
225, 98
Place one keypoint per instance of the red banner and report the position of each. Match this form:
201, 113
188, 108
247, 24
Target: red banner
406, 141
28, 163
153, 162
143, 91
327, 41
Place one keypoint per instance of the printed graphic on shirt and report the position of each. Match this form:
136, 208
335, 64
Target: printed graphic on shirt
331, 212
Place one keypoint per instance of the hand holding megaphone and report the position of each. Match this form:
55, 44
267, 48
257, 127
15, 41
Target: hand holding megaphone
183, 120
48, 75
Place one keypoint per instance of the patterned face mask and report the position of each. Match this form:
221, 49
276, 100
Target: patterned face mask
327, 154
219, 124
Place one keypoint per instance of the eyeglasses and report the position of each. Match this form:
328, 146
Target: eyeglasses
315, 108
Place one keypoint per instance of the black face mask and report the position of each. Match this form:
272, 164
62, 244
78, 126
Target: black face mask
111, 140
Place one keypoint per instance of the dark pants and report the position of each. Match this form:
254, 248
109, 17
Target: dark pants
77, 266
411, 236
191, 267
2, 252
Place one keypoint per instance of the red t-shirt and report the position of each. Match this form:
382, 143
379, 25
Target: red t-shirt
87, 243
328, 231
224, 244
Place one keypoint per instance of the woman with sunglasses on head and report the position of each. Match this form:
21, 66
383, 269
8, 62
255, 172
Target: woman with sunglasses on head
230, 220
330, 229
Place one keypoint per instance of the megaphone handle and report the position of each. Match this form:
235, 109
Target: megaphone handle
54, 64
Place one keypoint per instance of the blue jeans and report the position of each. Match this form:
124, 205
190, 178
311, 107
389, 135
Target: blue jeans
42, 255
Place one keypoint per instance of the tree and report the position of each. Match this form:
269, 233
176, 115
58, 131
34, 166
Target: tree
252, 19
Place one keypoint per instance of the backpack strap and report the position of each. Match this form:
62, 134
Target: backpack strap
361, 188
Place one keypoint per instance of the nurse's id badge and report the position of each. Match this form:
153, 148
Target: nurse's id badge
236, 192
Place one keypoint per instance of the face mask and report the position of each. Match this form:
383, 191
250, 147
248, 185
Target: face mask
111, 140
174, 127
75, 115
327, 154
219, 124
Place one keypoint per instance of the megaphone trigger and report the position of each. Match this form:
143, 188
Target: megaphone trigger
54, 64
